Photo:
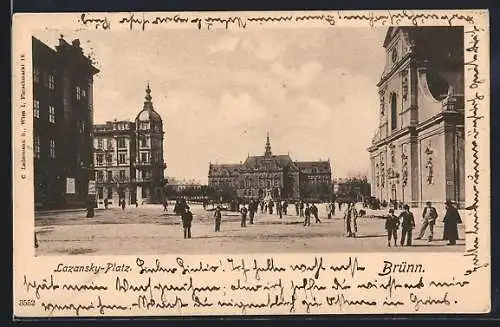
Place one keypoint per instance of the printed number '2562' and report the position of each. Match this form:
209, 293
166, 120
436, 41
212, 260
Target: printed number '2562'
29, 302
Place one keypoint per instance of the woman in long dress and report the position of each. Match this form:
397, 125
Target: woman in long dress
451, 221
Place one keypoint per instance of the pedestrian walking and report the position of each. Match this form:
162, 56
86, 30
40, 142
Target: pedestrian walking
429, 217
301, 209
279, 209
307, 213
391, 226
297, 208
451, 220
123, 204
36, 241
271, 206
106, 203
407, 225
314, 212
187, 218
252, 208
261, 206
218, 218
285, 207
350, 217
165, 205
243, 212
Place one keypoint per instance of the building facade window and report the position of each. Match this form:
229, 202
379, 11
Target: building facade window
36, 74
52, 114
109, 159
100, 192
144, 142
100, 159
394, 111
122, 158
99, 143
52, 81
52, 148
109, 176
36, 108
37, 146
110, 144
110, 193
121, 143
122, 174
100, 175
144, 157
78, 93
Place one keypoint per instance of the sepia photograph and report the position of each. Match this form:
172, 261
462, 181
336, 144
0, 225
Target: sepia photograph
251, 163
284, 141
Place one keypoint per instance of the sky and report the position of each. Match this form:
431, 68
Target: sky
220, 92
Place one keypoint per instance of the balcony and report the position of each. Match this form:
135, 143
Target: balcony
141, 180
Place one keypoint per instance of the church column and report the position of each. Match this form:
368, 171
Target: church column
414, 173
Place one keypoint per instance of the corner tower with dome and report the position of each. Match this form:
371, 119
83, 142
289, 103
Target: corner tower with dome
128, 158
149, 164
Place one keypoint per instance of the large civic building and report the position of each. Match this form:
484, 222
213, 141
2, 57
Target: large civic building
275, 175
62, 124
128, 158
417, 153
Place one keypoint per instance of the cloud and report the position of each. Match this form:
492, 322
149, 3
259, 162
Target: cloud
266, 49
299, 78
239, 109
224, 44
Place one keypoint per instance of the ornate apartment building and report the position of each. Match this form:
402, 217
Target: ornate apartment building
277, 175
417, 153
128, 158
63, 79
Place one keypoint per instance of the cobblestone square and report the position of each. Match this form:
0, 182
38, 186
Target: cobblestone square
148, 230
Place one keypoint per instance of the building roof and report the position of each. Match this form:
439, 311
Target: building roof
314, 167
270, 162
148, 112
227, 170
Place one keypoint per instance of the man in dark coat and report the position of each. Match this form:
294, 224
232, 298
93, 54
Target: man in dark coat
218, 218
243, 212
187, 218
307, 213
252, 208
314, 212
407, 225
279, 209
451, 220
391, 226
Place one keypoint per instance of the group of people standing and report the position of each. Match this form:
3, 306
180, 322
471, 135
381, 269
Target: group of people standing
406, 219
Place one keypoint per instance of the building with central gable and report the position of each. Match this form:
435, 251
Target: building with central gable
277, 175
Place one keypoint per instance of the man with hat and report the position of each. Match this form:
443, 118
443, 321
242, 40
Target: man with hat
429, 219
451, 220
218, 218
187, 218
407, 225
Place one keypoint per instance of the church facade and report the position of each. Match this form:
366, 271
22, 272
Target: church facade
128, 158
417, 152
276, 175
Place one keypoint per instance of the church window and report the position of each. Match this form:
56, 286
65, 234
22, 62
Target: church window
394, 111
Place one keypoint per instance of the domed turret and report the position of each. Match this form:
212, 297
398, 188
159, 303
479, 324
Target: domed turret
148, 118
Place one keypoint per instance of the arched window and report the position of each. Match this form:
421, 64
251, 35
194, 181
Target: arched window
394, 111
